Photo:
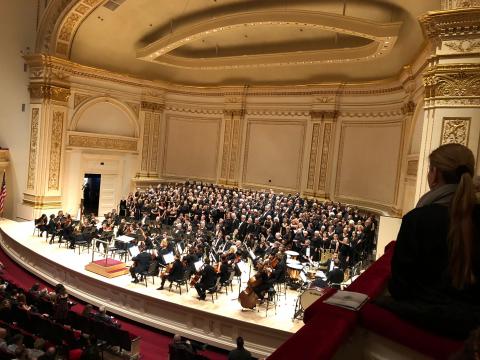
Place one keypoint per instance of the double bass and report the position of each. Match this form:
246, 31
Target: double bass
248, 297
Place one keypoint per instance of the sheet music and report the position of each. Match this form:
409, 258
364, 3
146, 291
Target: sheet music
308, 252
124, 239
242, 266
169, 258
134, 251
198, 265
179, 248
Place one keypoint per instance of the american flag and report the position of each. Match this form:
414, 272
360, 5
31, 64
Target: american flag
3, 194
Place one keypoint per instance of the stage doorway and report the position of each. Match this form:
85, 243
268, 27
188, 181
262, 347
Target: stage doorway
91, 193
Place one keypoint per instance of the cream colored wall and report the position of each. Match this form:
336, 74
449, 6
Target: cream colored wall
17, 32
191, 147
273, 155
105, 118
368, 161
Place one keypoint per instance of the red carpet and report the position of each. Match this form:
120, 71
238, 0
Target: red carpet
154, 343
107, 262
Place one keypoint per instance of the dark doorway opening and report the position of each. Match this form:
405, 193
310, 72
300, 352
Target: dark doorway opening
91, 193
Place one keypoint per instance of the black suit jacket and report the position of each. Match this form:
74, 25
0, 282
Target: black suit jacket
177, 271
422, 244
209, 276
142, 261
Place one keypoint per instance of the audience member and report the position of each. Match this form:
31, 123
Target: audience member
240, 353
436, 264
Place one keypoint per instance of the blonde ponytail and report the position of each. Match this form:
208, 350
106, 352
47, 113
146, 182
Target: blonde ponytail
461, 233
456, 164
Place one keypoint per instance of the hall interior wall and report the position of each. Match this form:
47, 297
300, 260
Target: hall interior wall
17, 36
343, 142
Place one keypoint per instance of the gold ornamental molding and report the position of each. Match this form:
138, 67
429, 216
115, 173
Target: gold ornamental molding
463, 46
55, 150
80, 98
49, 92
327, 138
32, 158
455, 4
455, 130
227, 139
452, 81
324, 115
151, 106
42, 202
383, 36
451, 23
41, 63
70, 24
85, 140
313, 156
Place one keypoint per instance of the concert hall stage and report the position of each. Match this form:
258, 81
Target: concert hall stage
217, 323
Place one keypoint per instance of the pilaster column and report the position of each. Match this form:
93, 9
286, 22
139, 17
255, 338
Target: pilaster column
151, 115
321, 148
232, 134
452, 82
49, 94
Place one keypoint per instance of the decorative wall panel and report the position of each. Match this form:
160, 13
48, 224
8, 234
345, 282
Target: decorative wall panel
313, 156
274, 154
55, 150
32, 159
455, 130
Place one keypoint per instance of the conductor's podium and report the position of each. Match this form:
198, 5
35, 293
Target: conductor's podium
107, 267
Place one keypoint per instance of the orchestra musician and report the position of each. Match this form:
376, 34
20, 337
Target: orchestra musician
141, 262
274, 269
208, 280
41, 224
175, 273
225, 269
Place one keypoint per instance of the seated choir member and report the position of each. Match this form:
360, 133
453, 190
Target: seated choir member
208, 280
436, 263
141, 264
176, 273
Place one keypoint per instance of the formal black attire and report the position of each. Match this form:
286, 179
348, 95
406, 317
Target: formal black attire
421, 286
142, 262
209, 278
239, 354
225, 271
176, 273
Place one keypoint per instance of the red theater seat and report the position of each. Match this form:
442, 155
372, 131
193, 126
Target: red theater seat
327, 327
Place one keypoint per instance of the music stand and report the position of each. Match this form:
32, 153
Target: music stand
168, 258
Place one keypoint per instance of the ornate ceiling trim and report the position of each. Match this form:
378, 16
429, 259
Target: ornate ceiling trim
383, 35
46, 68
451, 23
70, 23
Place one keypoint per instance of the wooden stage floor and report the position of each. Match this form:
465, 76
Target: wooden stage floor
225, 306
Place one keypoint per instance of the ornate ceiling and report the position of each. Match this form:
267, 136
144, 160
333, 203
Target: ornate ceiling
222, 42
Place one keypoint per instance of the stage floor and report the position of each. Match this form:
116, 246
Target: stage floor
225, 305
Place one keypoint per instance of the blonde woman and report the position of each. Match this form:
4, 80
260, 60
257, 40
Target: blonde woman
436, 264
